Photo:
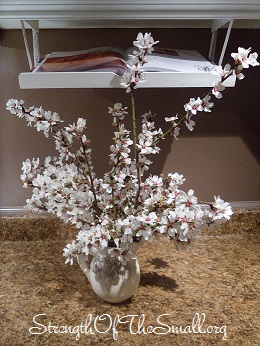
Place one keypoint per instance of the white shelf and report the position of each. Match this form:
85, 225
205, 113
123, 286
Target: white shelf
69, 14
57, 80
185, 68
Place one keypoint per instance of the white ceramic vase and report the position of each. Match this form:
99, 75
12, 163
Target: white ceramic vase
112, 282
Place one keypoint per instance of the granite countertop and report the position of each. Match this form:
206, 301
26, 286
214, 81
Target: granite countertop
211, 288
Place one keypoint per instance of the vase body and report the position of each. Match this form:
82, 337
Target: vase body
110, 280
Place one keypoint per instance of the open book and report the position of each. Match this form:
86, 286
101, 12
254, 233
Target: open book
115, 60
103, 68
95, 59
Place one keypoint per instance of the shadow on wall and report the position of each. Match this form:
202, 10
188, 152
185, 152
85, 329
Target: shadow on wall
216, 166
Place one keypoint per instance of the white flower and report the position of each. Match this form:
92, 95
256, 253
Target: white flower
190, 123
70, 251
171, 119
145, 146
217, 88
176, 132
154, 181
75, 130
242, 57
188, 199
222, 72
175, 179
81, 125
118, 112
43, 126
52, 118
128, 80
193, 106
145, 42
145, 231
15, 107
30, 170
221, 209
120, 149
206, 104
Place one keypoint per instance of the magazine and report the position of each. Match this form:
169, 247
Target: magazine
115, 60
101, 58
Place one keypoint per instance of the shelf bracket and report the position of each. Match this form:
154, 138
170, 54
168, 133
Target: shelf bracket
216, 24
34, 25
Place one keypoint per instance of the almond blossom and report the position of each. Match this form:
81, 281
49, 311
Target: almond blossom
206, 104
176, 132
222, 72
16, 107
118, 112
145, 42
194, 106
131, 79
125, 206
244, 58
171, 119
217, 88
189, 123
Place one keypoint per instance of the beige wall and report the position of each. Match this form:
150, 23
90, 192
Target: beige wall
220, 157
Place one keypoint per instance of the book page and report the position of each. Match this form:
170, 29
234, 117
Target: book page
101, 58
175, 60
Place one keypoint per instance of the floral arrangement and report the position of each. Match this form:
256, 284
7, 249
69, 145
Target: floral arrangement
125, 206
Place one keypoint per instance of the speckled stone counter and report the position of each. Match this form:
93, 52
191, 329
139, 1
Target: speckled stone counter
208, 294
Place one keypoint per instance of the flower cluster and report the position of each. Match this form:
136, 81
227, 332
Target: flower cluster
37, 117
131, 79
123, 207
242, 60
